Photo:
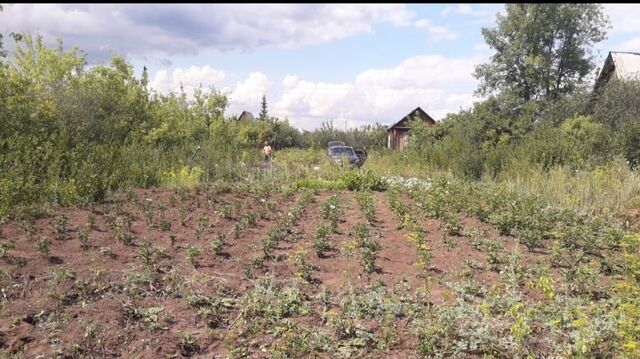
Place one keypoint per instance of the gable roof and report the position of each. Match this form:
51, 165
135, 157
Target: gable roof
246, 114
416, 112
626, 65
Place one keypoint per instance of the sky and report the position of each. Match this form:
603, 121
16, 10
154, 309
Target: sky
351, 64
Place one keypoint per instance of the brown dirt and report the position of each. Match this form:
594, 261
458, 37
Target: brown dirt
41, 316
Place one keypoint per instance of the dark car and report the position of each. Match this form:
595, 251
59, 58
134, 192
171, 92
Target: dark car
361, 153
341, 154
335, 143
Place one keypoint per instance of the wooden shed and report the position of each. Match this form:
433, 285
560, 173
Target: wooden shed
246, 115
618, 65
398, 133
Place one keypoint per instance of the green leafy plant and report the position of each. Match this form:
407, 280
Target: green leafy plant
83, 237
5, 249
92, 220
145, 252
61, 226
189, 345
165, 224
193, 255
203, 224
303, 268
321, 243
44, 246
225, 211
217, 244
363, 180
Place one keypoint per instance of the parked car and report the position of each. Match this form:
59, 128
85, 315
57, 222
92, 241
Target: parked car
343, 154
361, 153
335, 143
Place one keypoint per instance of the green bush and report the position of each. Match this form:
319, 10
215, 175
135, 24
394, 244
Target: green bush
363, 180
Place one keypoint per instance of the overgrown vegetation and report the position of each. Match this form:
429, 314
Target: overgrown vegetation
508, 230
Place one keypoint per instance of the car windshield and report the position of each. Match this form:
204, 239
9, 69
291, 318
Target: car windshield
338, 151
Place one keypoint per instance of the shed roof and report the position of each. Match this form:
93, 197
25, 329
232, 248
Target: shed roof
626, 66
247, 115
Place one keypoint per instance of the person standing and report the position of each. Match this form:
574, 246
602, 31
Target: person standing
267, 151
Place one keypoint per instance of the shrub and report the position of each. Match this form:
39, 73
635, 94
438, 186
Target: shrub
363, 180
183, 177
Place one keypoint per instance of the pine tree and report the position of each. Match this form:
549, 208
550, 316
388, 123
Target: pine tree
264, 115
145, 77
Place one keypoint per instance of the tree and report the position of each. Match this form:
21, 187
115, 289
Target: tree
2, 52
264, 115
542, 50
145, 77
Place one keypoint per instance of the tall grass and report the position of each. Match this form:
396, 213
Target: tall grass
608, 189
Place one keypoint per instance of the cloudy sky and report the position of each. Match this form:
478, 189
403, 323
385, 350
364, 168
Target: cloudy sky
350, 64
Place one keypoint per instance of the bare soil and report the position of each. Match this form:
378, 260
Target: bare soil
78, 302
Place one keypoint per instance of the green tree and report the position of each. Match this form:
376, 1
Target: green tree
264, 115
542, 50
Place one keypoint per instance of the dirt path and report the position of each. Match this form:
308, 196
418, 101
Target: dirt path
398, 255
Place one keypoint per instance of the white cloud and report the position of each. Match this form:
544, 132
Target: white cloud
481, 47
247, 94
170, 29
436, 83
465, 9
630, 45
482, 14
624, 17
157, 31
190, 78
436, 33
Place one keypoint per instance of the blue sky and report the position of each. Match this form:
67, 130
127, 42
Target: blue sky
351, 64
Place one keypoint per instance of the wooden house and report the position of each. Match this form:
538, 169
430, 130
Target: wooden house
398, 133
618, 65
246, 115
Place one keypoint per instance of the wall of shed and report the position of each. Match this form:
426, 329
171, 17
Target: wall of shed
398, 139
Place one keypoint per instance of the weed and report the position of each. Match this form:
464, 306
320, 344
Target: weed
237, 228
145, 252
184, 217
122, 230
193, 255
225, 211
5, 249
303, 268
107, 252
268, 245
494, 254
44, 246
92, 221
331, 210
217, 244
83, 237
321, 243
30, 229
365, 199
448, 241
165, 224
61, 227
148, 212
203, 224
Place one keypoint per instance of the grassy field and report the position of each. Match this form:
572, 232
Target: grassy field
302, 259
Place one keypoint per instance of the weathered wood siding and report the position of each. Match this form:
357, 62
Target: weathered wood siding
398, 134
398, 138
